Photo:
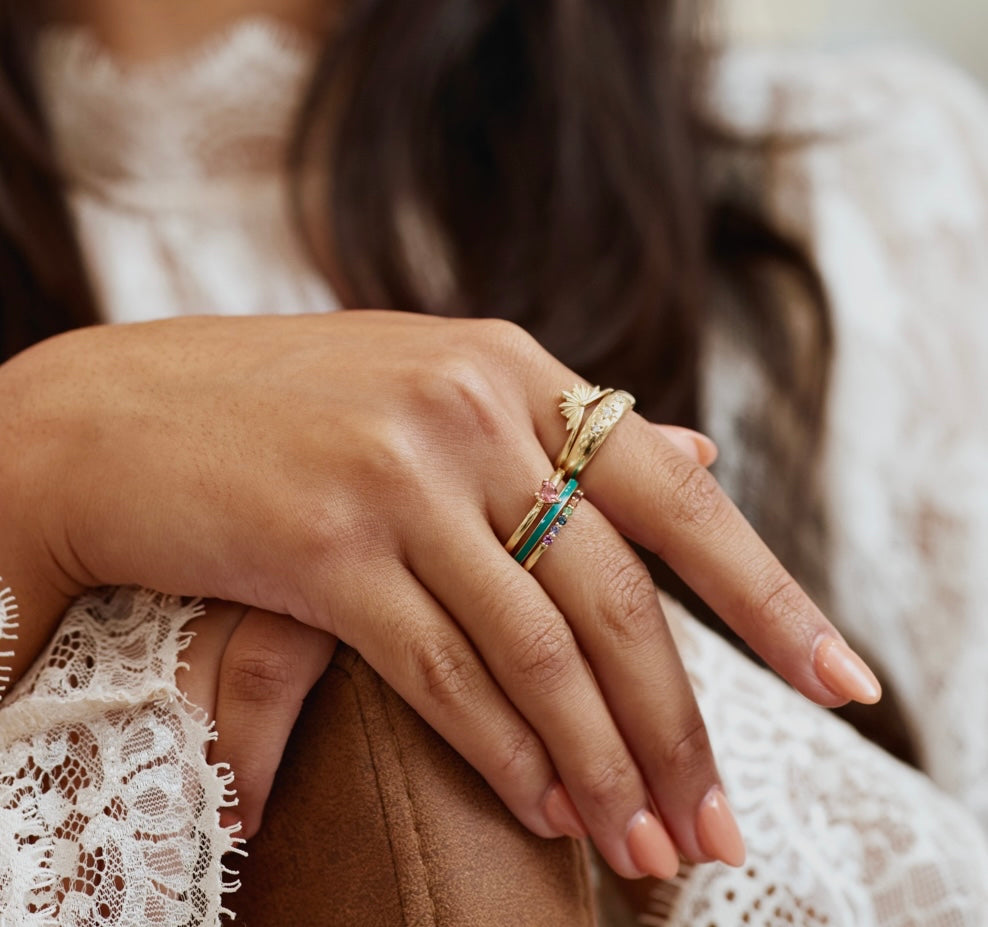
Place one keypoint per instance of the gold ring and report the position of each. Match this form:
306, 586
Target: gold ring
583, 442
549, 537
547, 495
593, 434
573, 406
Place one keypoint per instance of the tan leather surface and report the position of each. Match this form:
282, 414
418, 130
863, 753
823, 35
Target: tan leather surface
375, 821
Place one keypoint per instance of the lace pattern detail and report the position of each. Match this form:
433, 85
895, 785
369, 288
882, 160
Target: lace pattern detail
224, 109
108, 809
891, 200
838, 833
8, 632
178, 183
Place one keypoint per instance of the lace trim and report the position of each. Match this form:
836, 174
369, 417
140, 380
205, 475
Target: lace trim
838, 833
108, 808
222, 109
8, 632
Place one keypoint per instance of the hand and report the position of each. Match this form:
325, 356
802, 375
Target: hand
359, 472
250, 670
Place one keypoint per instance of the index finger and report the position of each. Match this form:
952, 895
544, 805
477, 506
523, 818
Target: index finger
676, 508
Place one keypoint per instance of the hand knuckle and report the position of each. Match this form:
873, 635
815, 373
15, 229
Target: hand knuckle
460, 396
543, 657
450, 671
258, 675
777, 600
687, 754
695, 499
631, 613
502, 333
394, 447
606, 784
517, 754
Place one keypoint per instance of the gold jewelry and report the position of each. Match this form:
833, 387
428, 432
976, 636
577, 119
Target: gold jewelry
551, 501
573, 406
571, 487
547, 495
549, 537
593, 434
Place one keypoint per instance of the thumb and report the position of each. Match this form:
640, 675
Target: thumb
270, 664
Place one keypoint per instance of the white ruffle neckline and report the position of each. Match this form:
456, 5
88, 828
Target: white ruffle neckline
221, 110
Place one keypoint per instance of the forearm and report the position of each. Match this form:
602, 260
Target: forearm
29, 565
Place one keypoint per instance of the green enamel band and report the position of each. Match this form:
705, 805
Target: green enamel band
547, 520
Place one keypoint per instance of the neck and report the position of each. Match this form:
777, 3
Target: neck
140, 30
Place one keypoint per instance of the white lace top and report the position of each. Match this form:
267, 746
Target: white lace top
108, 812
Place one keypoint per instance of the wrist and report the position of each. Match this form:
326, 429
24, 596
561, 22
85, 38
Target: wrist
33, 484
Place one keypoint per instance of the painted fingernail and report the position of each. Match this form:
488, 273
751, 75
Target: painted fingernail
693, 444
650, 847
718, 830
844, 672
561, 813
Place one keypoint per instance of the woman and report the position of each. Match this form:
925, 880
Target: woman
359, 472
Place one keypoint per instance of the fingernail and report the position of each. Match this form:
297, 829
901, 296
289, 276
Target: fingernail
650, 848
693, 444
844, 672
561, 813
718, 830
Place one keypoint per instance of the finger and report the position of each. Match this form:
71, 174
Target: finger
694, 444
269, 665
615, 613
530, 649
196, 677
424, 656
675, 507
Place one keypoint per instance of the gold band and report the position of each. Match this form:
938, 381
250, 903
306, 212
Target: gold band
593, 434
545, 496
585, 439
549, 537
573, 406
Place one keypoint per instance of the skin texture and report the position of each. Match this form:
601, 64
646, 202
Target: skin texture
359, 472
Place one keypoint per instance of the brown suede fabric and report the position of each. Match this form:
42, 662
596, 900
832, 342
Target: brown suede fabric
375, 821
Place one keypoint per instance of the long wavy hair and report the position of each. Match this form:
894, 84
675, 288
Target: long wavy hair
554, 156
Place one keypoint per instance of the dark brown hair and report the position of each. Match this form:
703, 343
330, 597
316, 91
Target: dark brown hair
43, 286
553, 154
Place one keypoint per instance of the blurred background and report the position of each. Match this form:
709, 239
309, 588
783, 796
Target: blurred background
957, 29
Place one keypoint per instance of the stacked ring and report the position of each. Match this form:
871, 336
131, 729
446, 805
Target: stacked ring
555, 505
600, 424
547, 495
549, 538
546, 523
573, 406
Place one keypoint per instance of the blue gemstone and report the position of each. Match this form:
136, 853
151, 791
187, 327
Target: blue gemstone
562, 520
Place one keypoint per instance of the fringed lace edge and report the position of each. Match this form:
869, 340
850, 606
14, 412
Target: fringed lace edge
8, 633
217, 778
221, 787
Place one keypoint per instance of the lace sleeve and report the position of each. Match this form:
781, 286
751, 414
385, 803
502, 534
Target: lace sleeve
108, 809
